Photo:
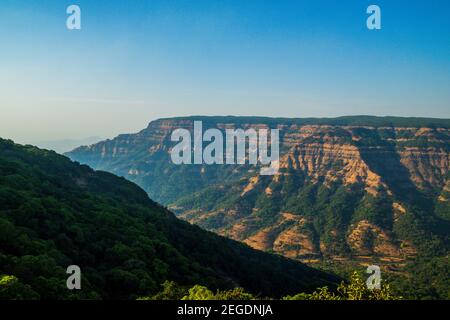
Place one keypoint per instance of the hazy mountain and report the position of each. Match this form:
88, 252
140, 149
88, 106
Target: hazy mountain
65, 145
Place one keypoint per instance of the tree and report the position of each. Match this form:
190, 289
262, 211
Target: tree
12, 289
198, 292
356, 289
170, 291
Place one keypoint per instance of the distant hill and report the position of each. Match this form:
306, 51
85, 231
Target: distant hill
350, 190
65, 145
54, 213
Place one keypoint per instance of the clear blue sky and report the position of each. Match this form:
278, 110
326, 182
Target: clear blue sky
136, 60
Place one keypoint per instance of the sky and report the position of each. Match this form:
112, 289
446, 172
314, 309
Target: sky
135, 60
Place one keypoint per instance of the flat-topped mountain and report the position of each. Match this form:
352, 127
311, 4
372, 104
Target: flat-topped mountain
358, 189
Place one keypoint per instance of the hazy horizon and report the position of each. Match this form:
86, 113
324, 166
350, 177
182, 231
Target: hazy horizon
131, 64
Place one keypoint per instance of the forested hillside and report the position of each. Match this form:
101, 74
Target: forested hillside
55, 213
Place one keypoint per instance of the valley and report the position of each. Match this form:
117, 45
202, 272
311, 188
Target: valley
350, 192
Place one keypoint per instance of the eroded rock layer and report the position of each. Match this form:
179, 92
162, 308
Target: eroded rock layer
348, 188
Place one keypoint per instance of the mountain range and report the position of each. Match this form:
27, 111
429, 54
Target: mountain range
351, 190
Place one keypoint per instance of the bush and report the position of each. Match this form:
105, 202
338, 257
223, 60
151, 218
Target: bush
356, 289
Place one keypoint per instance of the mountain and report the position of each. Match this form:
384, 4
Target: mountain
65, 145
55, 213
356, 189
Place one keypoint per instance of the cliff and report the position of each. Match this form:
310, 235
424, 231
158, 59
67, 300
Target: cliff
359, 189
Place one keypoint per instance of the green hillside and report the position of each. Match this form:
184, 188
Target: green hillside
54, 213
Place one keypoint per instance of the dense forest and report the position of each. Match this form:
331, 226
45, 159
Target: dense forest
55, 213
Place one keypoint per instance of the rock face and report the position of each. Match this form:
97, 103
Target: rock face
352, 188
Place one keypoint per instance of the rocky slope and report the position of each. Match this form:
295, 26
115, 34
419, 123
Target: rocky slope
359, 189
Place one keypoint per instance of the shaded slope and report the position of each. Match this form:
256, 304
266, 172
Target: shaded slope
54, 212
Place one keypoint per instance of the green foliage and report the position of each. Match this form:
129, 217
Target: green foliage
356, 289
173, 291
426, 278
54, 213
198, 292
12, 289
202, 293
170, 291
234, 294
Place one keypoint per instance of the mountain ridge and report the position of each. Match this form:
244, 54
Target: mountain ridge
341, 120
360, 190
359, 120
